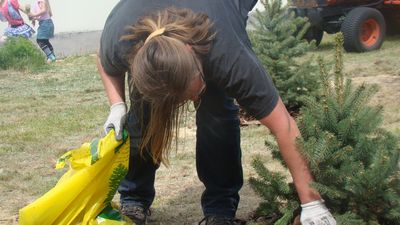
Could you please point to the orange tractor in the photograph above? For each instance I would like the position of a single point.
(364, 23)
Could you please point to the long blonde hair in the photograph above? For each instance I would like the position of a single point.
(48, 7)
(163, 68)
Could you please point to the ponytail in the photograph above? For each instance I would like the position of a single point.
(169, 45)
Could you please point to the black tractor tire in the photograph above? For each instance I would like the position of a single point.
(314, 33)
(353, 29)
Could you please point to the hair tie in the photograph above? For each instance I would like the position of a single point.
(155, 33)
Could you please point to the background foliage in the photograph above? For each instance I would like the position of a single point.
(277, 38)
(21, 54)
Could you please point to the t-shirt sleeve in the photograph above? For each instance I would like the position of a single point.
(250, 84)
(246, 6)
(111, 57)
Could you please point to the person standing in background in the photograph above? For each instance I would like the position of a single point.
(9, 11)
(41, 12)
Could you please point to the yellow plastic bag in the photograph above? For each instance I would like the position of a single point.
(81, 194)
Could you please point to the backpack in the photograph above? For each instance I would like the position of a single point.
(14, 13)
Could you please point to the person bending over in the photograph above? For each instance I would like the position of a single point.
(177, 51)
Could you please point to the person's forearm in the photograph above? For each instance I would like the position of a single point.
(296, 163)
(285, 130)
(37, 15)
(113, 85)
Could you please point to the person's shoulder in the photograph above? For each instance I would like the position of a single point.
(14, 2)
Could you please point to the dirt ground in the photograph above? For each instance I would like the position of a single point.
(388, 96)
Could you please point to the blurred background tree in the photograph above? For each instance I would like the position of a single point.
(277, 38)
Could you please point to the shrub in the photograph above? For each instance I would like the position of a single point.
(20, 54)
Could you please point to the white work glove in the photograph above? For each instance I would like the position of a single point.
(116, 119)
(316, 213)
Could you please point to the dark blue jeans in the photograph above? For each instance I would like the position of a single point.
(218, 156)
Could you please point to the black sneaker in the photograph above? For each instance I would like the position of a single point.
(214, 220)
(136, 213)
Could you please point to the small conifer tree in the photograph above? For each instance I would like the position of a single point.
(277, 39)
(355, 162)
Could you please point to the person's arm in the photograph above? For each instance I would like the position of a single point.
(113, 85)
(285, 130)
(115, 91)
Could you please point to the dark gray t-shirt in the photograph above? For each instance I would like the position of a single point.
(231, 64)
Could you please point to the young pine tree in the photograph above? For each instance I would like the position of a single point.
(277, 39)
(355, 162)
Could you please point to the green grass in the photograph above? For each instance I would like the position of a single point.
(45, 113)
(381, 67)
(382, 61)
(33, 104)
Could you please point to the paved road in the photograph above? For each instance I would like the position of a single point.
(68, 44)
(76, 43)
